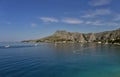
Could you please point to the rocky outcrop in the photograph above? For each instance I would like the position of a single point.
(60, 36)
(90, 37)
(78, 37)
(108, 35)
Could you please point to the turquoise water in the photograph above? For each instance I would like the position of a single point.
(60, 60)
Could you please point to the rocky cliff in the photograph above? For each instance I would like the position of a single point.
(64, 36)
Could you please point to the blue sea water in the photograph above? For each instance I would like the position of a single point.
(59, 60)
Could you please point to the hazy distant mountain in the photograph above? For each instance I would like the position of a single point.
(64, 36)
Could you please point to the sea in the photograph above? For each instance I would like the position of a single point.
(59, 60)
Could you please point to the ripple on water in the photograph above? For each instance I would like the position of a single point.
(21, 67)
(58, 61)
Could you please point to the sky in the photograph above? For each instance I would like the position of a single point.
(33, 19)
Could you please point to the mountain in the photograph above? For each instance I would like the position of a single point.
(64, 36)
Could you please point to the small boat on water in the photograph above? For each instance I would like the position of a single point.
(36, 44)
(7, 46)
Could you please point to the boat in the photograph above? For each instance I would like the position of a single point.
(7, 46)
(36, 44)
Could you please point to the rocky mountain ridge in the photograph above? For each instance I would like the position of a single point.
(64, 36)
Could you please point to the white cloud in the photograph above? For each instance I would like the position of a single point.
(97, 22)
(97, 12)
(8, 23)
(88, 16)
(99, 2)
(117, 18)
(72, 21)
(102, 12)
(49, 19)
(33, 25)
(101, 23)
(112, 24)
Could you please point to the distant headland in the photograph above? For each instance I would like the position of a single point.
(62, 36)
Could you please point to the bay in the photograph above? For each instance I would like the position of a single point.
(59, 60)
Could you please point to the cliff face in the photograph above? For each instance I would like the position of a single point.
(60, 36)
(108, 35)
(90, 37)
(70, 36)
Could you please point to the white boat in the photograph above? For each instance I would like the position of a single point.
(7, 46)
(36, 44)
